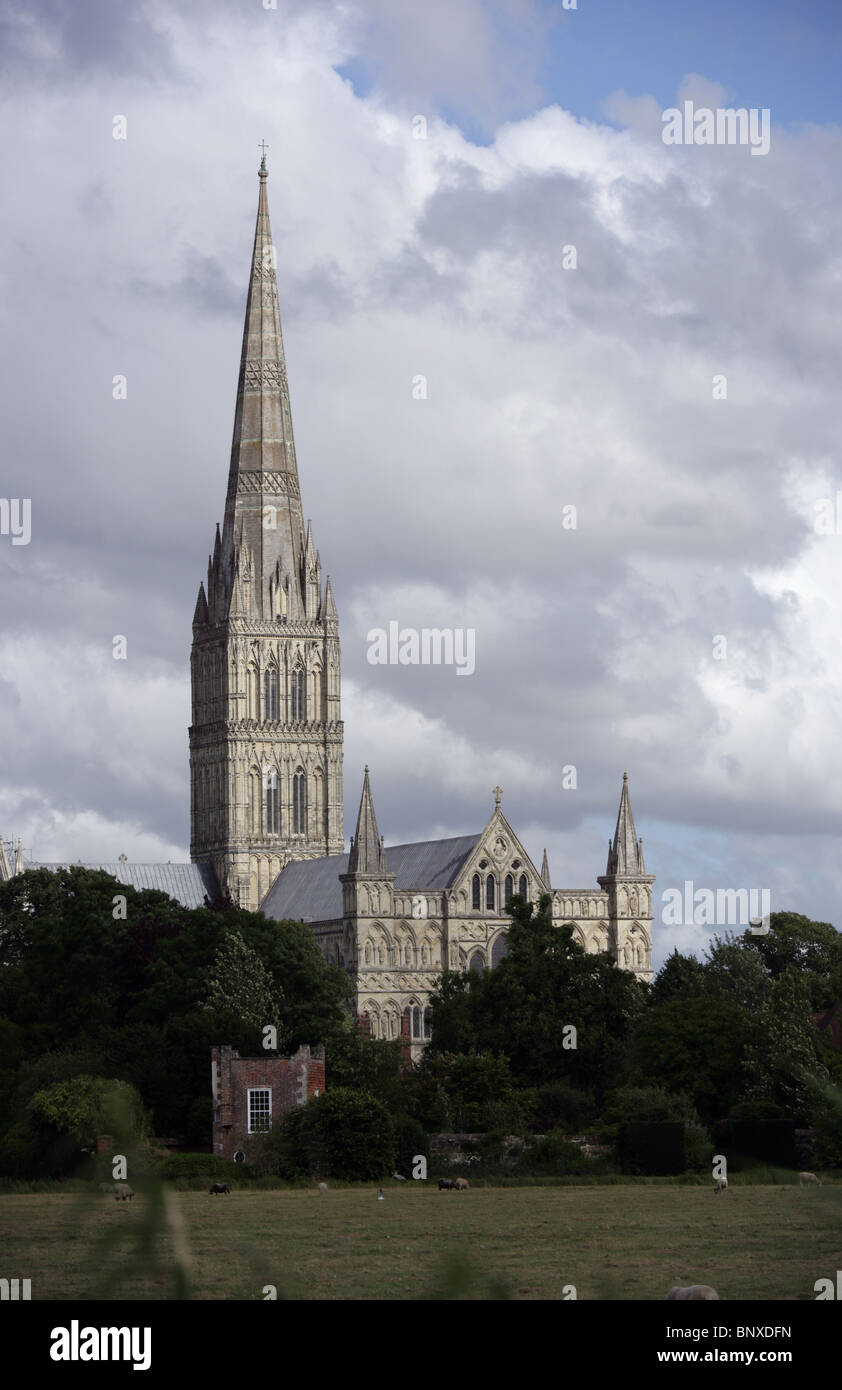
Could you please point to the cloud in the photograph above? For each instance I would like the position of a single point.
(547, 387)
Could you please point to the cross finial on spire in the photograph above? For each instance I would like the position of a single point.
(263, 171)
(498, 792)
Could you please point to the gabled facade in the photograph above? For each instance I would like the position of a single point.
(397, 918)
(266, 733)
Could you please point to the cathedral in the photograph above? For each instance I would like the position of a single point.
(266, 753)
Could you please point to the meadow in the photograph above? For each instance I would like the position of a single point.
(610, 1242)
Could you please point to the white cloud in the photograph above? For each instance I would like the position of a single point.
(546, 387)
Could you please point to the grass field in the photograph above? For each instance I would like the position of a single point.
(628, 1242)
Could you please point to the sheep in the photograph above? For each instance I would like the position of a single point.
(122, 1191)
(400, 1177)
(220, 1189)
(693, 1291)
(322, 1188)
(446, 1184)
(805, 1178)
(720, 1186)
(462, 1185)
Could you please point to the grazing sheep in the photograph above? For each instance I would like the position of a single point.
(400, 1177)
(805, 1178)
(721, 1186)
(446, 1184)
(122, 1191)
(220, 1188)
(322, 1187)
(462, 1185)
(692, 1291)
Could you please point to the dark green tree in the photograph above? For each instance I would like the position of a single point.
(554, 1011)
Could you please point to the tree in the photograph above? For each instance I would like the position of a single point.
(343, 1134)
(130, 989)
(470, 1092)
(241, 992)
(553, 1011)
(734, 970)
(783, 1057)
(86, 1106)
(698, 1047)
(813, 949)
(680, 977)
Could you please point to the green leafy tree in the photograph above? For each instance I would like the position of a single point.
(698, 1047)
(343, 1134)
(680, 977)
(783, 1058)
(812, 949)
(472, 1092)
(527, 1007)
(86, 1106)
(130, 989)
(241, 991)
(734, 969)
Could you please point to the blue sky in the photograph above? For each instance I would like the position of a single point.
(787, 56)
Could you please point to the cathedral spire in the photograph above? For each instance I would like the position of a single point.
(367, 854)
(266, 729)
(545, 873)
(263, 508)
(625, 855)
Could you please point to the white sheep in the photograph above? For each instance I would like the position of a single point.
(805, 1178)
(322, 1187)
(692, 1291)
(721, 1186)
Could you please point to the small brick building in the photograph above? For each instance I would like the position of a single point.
(251, 1093)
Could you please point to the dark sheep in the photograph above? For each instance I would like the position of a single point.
(446, 1184)
(220, 1187)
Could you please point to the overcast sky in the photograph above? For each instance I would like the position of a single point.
(547, 387)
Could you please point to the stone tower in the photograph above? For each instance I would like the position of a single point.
(367, 885)
(629, 890)
(266, 732)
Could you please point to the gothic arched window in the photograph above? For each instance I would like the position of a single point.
(252, 689)
(298, 694)
(523, 886)
(490, 893)
(499, 950)
(476, 962)
(416, 1023)
(299, 803)
(319, 802)
(270, 693)
(254, 801)
(510, 888)
(318, 693)
(427, 1023)
(475, 893)
(273, 804)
